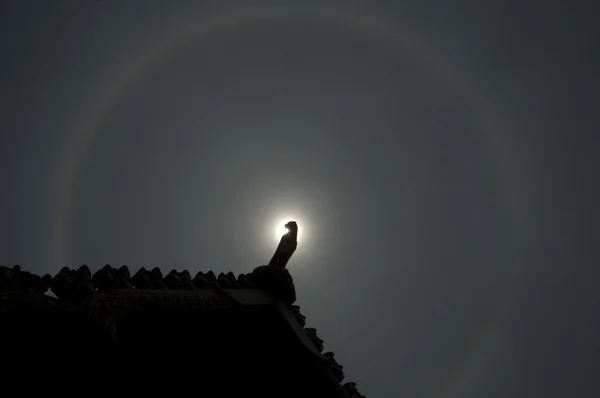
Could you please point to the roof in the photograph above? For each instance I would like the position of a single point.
(111, 292)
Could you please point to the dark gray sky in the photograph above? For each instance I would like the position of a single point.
(439, 157)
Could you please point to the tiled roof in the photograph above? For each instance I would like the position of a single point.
(74, 286)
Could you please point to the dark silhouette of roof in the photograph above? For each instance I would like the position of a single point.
(250, 316)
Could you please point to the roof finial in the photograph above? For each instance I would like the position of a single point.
(287, 246)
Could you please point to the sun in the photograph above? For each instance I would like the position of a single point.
(279, 229)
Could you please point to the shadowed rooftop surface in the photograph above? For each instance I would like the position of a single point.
(238, 335)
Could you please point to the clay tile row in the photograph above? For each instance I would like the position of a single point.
(335, 368)
(81, 281)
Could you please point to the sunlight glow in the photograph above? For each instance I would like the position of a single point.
(280, 229)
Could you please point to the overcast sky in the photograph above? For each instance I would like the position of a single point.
(439, 157)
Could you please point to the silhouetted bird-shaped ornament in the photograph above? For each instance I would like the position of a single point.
(287, 246)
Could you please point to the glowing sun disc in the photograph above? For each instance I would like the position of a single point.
(280, 229)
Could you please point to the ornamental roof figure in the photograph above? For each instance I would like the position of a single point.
(287, 246)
